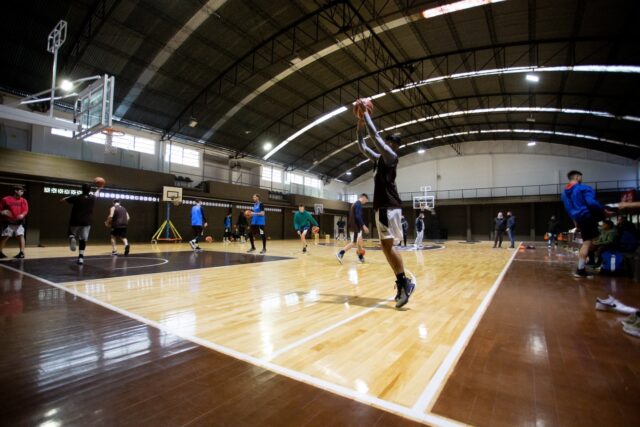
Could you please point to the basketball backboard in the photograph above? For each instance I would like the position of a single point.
(424, 201)
(94, 107)
(172, 194)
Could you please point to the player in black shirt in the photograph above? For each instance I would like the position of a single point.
(341, 225)
(80, 220)
(387, 205)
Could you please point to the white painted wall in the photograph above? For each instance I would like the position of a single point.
(502, 164)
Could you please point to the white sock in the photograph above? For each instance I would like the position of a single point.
(581, 264)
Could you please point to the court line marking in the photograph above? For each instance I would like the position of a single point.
(407, 412)
(324, 331)
(428, 397)
(126, 258)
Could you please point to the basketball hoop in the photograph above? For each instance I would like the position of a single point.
(108, 143)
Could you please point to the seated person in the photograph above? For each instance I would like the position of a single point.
(605, 241)
(627, 235)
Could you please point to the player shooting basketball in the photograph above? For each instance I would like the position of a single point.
(387, 205)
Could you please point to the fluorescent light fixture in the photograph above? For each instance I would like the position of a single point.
(267, 146)
(66, 85)
(304, 129)
(193, 122)
(531, 143)
(348, 172)
(532, 78)
(421, 151)
(454, 7)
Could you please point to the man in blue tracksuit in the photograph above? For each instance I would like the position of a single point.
(511, 225)
(198, 223)
(581, 205)
(257, 224)
(227, 227)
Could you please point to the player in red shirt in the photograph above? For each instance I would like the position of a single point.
(13, 210)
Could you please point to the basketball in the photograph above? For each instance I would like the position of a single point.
(361, 251)
(208, 239)
(99, 181)
(248, 213)
(361, 105)
(315, 229)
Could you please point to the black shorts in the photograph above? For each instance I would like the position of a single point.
(119, 232)
(588, 229)
(340, 230)
(356, 234)
(257, 229)
(197, 229)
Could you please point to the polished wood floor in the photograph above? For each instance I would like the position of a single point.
(542, 354)
(310, 318)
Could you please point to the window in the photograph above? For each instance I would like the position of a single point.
(182, 156)
(351, 198)
(126, 142)
(293, 178)
(270, 173)
(312, 182)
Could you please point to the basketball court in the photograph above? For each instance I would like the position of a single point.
(446, 114)
(302, 316)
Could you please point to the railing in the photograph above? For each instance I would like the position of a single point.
(245, 178)
(515, 191)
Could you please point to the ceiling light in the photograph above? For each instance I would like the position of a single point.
(267, 146)
(454, 7)
(193, 122)
(348, 172)
(531, 119)
(421, 151)
(531, 143)
(66, 85)
(532, 78)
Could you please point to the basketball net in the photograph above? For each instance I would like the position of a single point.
(109, 133)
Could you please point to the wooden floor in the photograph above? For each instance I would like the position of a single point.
(310, 318)
(335, 328)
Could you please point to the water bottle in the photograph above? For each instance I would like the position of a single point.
(613, 262)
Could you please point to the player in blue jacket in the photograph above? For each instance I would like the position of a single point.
(357, 226)
(581, 205)
(198, 224)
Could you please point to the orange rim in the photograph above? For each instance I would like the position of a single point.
(112, 132)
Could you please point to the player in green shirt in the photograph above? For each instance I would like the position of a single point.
(302, 221)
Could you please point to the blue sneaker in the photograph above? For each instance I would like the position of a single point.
(405, 291)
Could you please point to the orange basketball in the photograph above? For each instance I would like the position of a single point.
(361, 105)
(315, 229)
(248, 213)
(99, 181)
(361, 251)
(209, 239)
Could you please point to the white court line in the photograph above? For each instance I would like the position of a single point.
(427, 398)
(324, 331)
(431, 419)
(126, 258)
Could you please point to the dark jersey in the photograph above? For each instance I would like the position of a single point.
(385, 193)
(356, 221)
(119, 219)
(82, 209)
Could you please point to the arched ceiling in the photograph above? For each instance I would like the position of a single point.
(255, 71)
